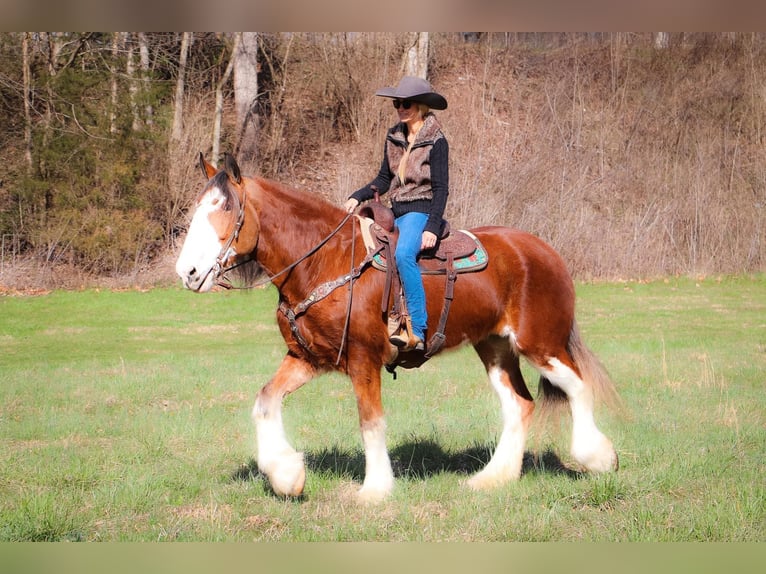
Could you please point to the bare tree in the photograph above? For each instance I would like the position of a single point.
(219, 99)
(27, 104)
(416, 57)
(133, 85)
(117, 40)
(246, 93)
(143, 55)
(177, 131)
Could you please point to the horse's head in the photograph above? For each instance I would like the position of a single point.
(216, 238)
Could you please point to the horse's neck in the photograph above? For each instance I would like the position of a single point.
(290, 229)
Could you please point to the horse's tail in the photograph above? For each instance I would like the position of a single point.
(552, 400)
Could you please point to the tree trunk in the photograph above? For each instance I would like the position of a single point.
(219, 99)
(177, 131)
(416, 57)
(53, 45)
(130, 72)
(27, 104)
(246, 94)
(113, 92)
(143, 54)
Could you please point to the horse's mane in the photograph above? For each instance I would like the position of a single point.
(313, 206)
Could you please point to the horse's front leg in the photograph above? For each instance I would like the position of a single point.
(278, 460)
(378, 475)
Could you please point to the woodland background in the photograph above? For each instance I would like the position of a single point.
(635, 155)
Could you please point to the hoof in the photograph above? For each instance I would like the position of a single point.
(375, 491)
(602, 459)
(494, 476)
(289, 476)
(371, 496)
(483, 481)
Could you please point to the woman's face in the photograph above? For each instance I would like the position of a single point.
(410, 114)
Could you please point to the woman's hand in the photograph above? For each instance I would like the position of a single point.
(428, 240)
(350, 205)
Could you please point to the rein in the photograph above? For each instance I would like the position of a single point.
(220, 272)
(315, 296)
(323, 291)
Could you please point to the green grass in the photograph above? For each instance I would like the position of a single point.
(125, 416)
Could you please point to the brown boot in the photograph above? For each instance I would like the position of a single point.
(414, 344)
(400, 339)
(399, 329)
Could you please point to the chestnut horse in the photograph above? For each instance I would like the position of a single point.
(521, 304)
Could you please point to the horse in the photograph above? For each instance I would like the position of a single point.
(520, 305)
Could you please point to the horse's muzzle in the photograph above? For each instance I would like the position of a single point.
(195, 280)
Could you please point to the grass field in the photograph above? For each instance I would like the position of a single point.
(125, 416)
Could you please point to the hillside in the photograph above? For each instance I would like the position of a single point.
(630, 160)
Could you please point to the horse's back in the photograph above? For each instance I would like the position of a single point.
(530, 281)
(526, 256)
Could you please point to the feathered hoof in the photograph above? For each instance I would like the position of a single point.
(288, 477)
(601, 459)
(374, 494)
(484, 481)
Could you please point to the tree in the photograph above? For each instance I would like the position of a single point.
(219, 98)
(178, 114)
(143, 56)
(117, 45)
(27, 87)
(416, 57)
(246, 94)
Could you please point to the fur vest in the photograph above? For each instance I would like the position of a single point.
(416, 184)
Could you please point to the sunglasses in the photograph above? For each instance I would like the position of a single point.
(406, 104)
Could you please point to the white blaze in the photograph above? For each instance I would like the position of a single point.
(202, 244)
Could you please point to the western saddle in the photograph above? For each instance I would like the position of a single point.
(454, 253)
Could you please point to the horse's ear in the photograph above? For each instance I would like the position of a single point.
(231, 167)
(207, 169)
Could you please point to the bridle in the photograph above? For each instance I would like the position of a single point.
(219, 270)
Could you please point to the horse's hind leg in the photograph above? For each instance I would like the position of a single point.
(278, 460)
(589, 446)
(502, 364)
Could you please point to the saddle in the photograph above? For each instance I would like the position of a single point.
(453, 254)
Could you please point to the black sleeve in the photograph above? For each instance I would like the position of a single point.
(382, 182)
(439, 184)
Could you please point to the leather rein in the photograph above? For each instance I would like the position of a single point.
(315, 296)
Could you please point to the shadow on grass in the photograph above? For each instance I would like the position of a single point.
(417, 459)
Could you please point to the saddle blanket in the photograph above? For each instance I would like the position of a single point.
(464, 247)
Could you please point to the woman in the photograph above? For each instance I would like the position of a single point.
(415, 173)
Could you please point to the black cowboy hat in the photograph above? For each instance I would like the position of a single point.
(417, 90)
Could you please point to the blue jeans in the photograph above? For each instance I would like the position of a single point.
(411, 226)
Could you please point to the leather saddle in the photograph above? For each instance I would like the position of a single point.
(454, 253)
(460, 250)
